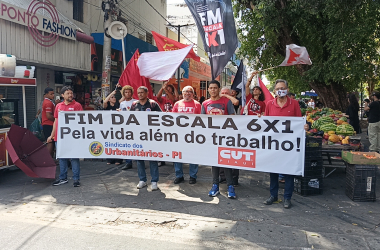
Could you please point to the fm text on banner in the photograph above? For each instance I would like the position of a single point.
(242, 142)
(216, 24)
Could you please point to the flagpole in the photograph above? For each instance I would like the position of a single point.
(179, 40)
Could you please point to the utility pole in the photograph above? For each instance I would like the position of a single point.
(179, 40)
(106, 66)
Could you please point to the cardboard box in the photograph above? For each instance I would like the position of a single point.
(359, 158)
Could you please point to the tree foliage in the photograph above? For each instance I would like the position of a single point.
(341, 36)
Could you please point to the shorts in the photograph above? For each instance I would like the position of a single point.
(47, 129)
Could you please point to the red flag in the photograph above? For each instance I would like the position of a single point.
(267, 94)
(166, 44)
(131, 76)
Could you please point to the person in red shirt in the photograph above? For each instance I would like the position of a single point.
(189, 106)
(47, 117)
(255, 102)
(282, 105)
(166, 103)
(218, 105)
(68, 104)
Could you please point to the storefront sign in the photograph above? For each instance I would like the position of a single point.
(36, 23)
(200, 68)
(266, 144)
(13, 81)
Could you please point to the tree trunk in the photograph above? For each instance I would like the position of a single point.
(332, 96)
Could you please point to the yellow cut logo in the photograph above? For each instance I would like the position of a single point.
(96, 148)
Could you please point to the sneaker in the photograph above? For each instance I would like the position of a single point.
(287, 203)
(231, 192)
(192, 180)
(154, 186)
(141, 184)
(60, 182)
(76, 184)
(127, 166)
(179, 180)
(270, 200)
(214, 190)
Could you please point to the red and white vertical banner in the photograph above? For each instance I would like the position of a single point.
(266, 144)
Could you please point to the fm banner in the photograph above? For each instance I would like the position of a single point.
(266, 144)
(216, 24)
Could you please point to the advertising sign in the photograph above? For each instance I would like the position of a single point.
(36, 22)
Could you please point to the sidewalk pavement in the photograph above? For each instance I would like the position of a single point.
(108, 201)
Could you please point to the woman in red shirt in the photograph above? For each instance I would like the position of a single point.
(255, 102)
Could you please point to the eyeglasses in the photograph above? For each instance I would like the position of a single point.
(277, 89)
(187, 91)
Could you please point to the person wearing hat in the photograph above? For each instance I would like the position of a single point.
(235, 93)
(374, 122)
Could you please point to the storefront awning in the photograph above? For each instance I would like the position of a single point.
(131, 44)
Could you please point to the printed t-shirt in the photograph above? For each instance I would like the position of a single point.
(72, 106)
(126, 105)
(291, 108)
(253, 107)
(192, 107)
(47, 107)
(150, 105)
(166, 104)
(114, 107)
(223, 106)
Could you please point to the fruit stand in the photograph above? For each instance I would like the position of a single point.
(336, 133)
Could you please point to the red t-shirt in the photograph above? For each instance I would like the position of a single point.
(192, 107)
(223, 106)
(291, 108)
(72, 106)
(47, 107)
(253, 107)
(166, 104)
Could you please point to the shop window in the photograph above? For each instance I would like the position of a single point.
(141, 37)
(78, 10)
(149, 38)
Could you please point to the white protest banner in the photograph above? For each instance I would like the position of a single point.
(267, 144)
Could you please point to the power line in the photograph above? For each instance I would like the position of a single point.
(172, 25)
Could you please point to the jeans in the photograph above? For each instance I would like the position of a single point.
(227, 173)
(374, 136)
(153, 170)
(193, 170)
(63, 165)
(289, 185)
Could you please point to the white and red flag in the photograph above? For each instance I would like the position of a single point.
(161, 65)
(296, 55)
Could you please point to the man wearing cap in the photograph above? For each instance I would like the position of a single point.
(374, 123)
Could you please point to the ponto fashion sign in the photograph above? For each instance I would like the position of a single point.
(266, 144)
(37, 22)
